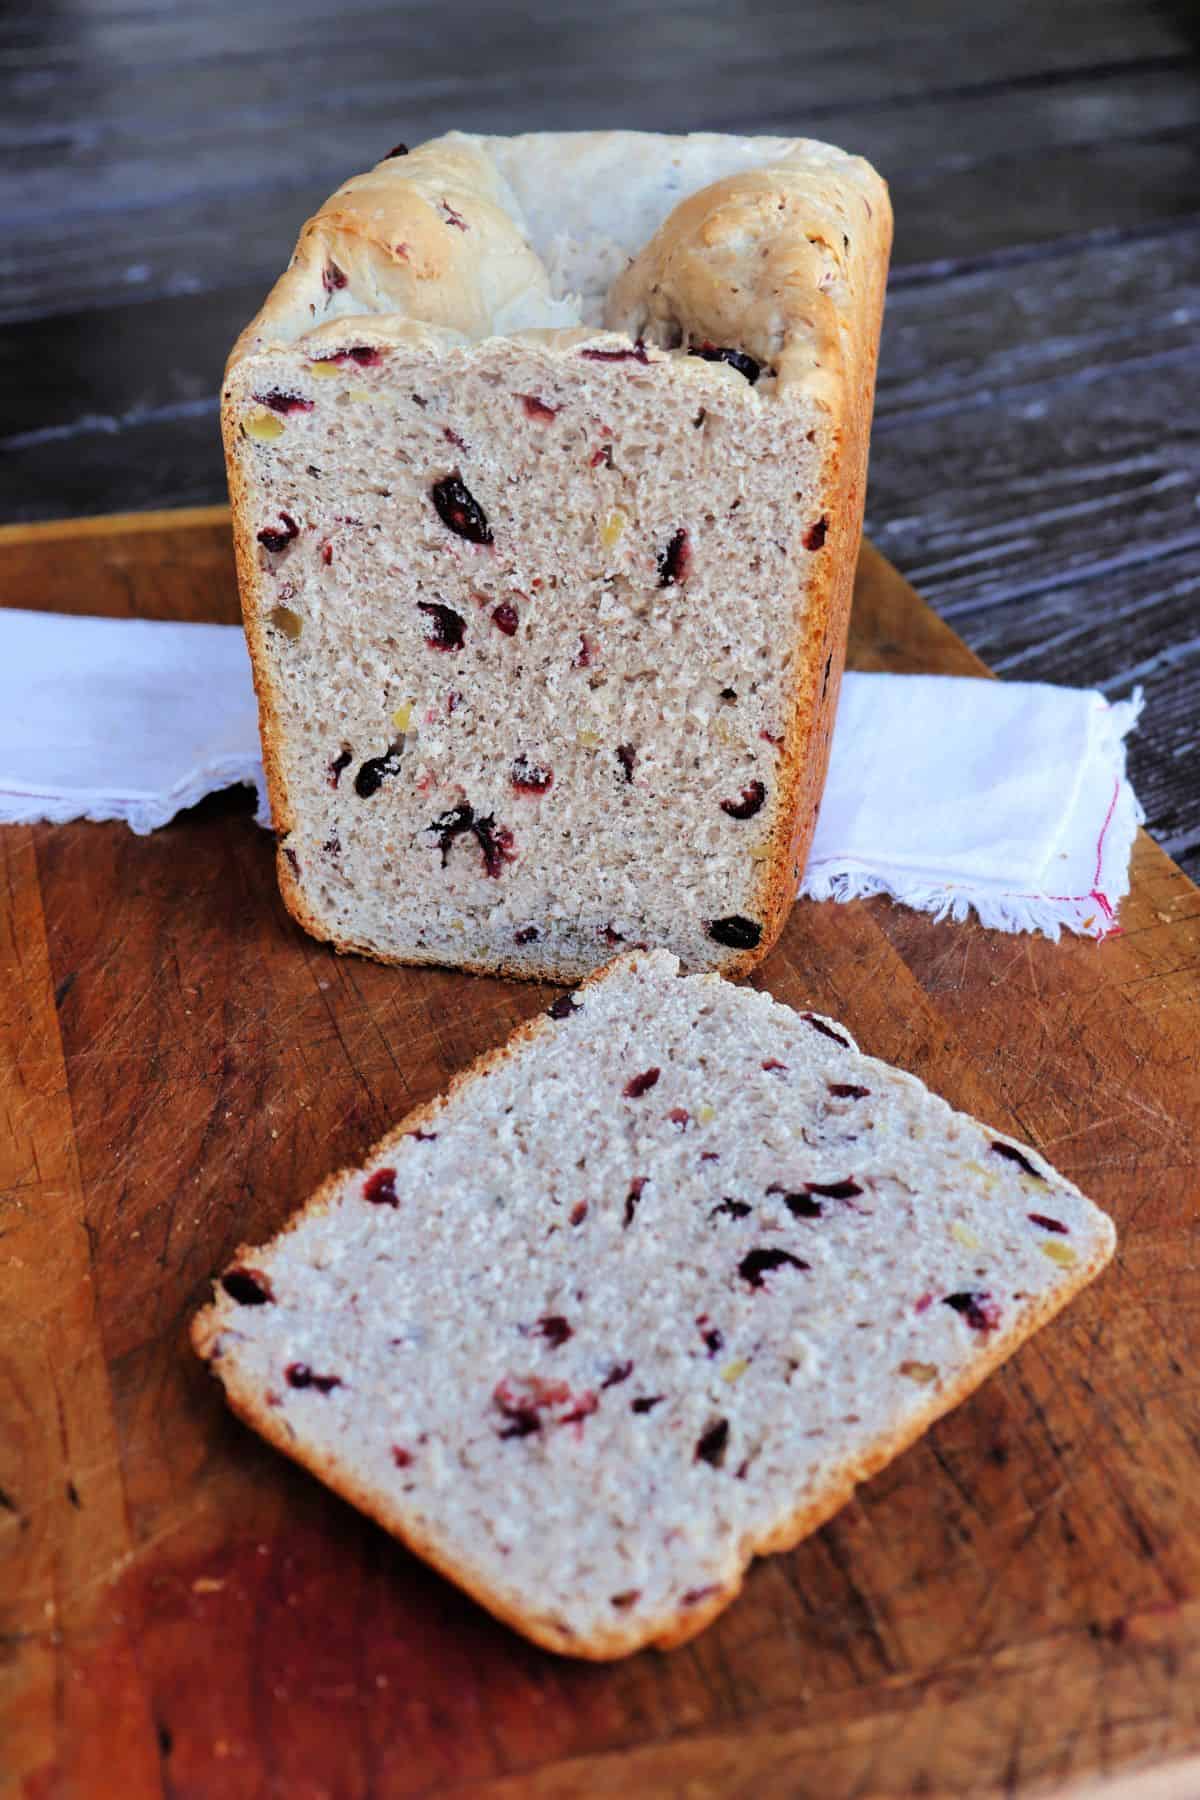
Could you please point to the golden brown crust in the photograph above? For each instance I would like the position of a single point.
(665, 1633)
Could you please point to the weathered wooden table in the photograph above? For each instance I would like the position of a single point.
(1036, 456)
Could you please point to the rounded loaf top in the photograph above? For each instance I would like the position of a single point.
(764, 245)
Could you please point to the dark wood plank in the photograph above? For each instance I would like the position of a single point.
(1007, 1607)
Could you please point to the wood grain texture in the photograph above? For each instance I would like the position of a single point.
(1012, 1607)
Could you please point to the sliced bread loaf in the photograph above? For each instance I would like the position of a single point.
(642, 1296)
(547, 458)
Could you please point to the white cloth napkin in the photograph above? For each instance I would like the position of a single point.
(949, 794)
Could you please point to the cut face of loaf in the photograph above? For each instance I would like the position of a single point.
(546, 527)
(643, 1296)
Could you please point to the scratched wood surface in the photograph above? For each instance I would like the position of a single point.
(1012, 1608)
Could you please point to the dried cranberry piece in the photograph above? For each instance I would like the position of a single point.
(453, 218)
(583, 1409)
(579, 1212)
(1019, 1157)
(603, 456)
(249, 1287)
(554, 1329)
(293, 861)
(495, 841)
(626, 753)
(422, 1137)
(737, 359)
(750, 802)
(618, 1373)
(327, 553)
(526, 935)
(299, 1375)
(714, 1340)
(452, 437)
(848, 1090)
(637, 354)
(737, 1209)
(523, 1422)
(675, 560)
(835, 1190)
(447, 628)
(758, 1263)
(679, 1115)
(537, 409)
(458, 508)
(284, 403)
(629, 1598)
(341, 761)
(694, 1596)
(398, 150)
(713, 1443)
(583, 656)
(801, 1205)
(401, 1457)
(529, 777)
(371, 775)
(564, 1006)
(522, 1410)
(825, 1030)
(364, 355)
(505, 618)
(380, 1188)
(735, 932)
(814, 537)
(774, 1066)
(646, 1403)
(924, 1303)
(632, 1198)
(1045, 1224)
(980, 1311)
(637, 1085)
(333, 278)
(275, 541)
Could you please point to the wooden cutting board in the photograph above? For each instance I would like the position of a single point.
(1014, 1606)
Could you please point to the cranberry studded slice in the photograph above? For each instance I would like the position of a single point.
(637, 1085)
(281, 402)
(372, 774)
(529, 777)
(636, 354)
(750, 802)
(380, 1188)
(713, 1443)
(458, 509)
(505, 618)
(249, 1287)
(735, 932)
(745, 365)
(278, 540)
(446, 629)
(1017, 1156)
(675, 561)
(759, 1263)
(980, 1311)
(626, 756)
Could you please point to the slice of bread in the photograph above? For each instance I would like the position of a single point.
(547, 458)
(643, 1296)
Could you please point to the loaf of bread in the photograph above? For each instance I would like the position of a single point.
(547, 458)
(643, 1296)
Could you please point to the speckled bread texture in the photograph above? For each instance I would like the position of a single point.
(644, 1295)
(547, 459)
